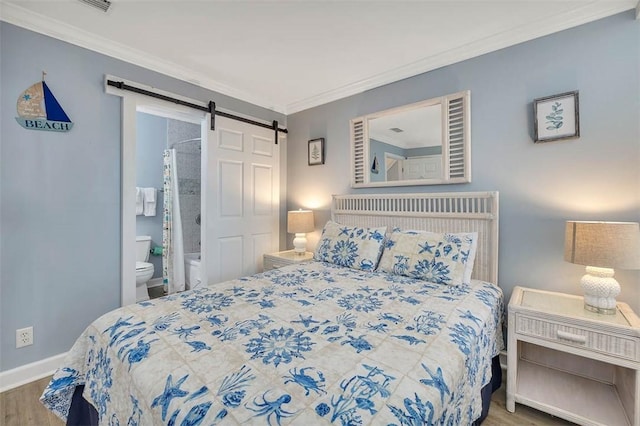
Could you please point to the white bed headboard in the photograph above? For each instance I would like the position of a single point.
(438, 212)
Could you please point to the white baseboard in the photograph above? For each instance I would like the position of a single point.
(30, 372)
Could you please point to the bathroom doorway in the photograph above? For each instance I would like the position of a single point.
(237, 226)
(131, 105)
(168, 162)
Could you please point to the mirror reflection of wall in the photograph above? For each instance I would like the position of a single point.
(423, 143)
(416, 134)
(393, 167)
(428, 159)
(423, 167)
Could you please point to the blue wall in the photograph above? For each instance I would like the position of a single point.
(595, 177)
(377, 150)
(427, 150)
(60, 192)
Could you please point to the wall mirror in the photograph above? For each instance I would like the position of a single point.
(425, 143)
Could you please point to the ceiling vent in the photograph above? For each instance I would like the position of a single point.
(103, 5)
(396, 129)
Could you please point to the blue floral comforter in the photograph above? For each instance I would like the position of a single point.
(305, 344)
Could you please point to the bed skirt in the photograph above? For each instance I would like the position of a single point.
(81, 413)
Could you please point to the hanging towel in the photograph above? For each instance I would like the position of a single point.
(149, 201)
(139, 201)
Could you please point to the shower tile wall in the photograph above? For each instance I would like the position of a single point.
(185, 139)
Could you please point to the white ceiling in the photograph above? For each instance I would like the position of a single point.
(413, 126)
(292, 55)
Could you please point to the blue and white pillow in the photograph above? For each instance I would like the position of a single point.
(440, 258)
(350, 246)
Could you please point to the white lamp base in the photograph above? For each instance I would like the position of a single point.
(600, 290)
(300, 243)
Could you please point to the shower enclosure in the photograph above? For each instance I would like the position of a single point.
(188, 158)
(182, 205)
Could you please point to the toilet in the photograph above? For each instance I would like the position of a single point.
(144, 269)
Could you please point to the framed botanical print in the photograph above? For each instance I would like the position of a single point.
(316, 152)
(556, 117)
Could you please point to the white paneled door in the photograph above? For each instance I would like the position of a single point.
(240, 199)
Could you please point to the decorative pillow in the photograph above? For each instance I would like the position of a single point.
(350, 246)
(468, 270)
(430, 256)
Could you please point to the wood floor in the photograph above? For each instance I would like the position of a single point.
(21, 407)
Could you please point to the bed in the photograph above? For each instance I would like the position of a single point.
(331, 341)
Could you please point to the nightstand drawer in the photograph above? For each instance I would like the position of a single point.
(620, 346)
(284, 258)
(274, 264)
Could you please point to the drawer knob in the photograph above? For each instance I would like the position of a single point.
(572, 337)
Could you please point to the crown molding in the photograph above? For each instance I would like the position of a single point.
(33, 21)
(25, 18)
(591, 12)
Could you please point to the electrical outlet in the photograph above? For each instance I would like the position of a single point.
(24, 337)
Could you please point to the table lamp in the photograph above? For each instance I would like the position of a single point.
(601, 247)
(300, 222)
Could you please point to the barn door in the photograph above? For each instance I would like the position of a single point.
(241, 199)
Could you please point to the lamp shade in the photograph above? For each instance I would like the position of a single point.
(603, 244)
(300, 221)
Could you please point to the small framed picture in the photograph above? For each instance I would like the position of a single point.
(316, 151)
(556, 117)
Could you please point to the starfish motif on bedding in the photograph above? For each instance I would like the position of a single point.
(426, 248)
(170, 391)
(306, 321)
(437, 381)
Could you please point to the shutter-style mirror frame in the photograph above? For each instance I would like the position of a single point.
(456, 143)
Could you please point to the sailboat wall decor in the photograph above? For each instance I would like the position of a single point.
(38, 109)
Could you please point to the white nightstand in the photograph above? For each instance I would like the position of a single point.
(575, 364)
(284, 258)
